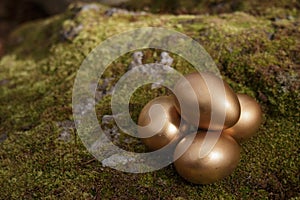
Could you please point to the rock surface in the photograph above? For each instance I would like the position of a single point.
(256, 54)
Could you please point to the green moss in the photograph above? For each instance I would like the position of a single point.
(256, 55)
(275, 8)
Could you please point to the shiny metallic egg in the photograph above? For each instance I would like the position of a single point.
(205, 169)
(249, 121)
(219, 107)
(160, 121)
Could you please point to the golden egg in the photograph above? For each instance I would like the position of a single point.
(159, 121)
(249, 121)
(218, 105)
(205, 169)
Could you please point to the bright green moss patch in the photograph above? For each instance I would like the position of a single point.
(42, 156)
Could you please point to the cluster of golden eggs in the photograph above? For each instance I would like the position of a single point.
(242, 119)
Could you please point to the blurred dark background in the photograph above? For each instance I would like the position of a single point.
(15, 12)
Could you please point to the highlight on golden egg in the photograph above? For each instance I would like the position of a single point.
(160, 121)
(205, 169)
(249, 121)
(218, 105)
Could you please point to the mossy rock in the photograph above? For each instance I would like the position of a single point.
(215, 6)
(42, 157)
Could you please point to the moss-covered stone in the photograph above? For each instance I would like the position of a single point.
(278, 7)
(257, 55)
